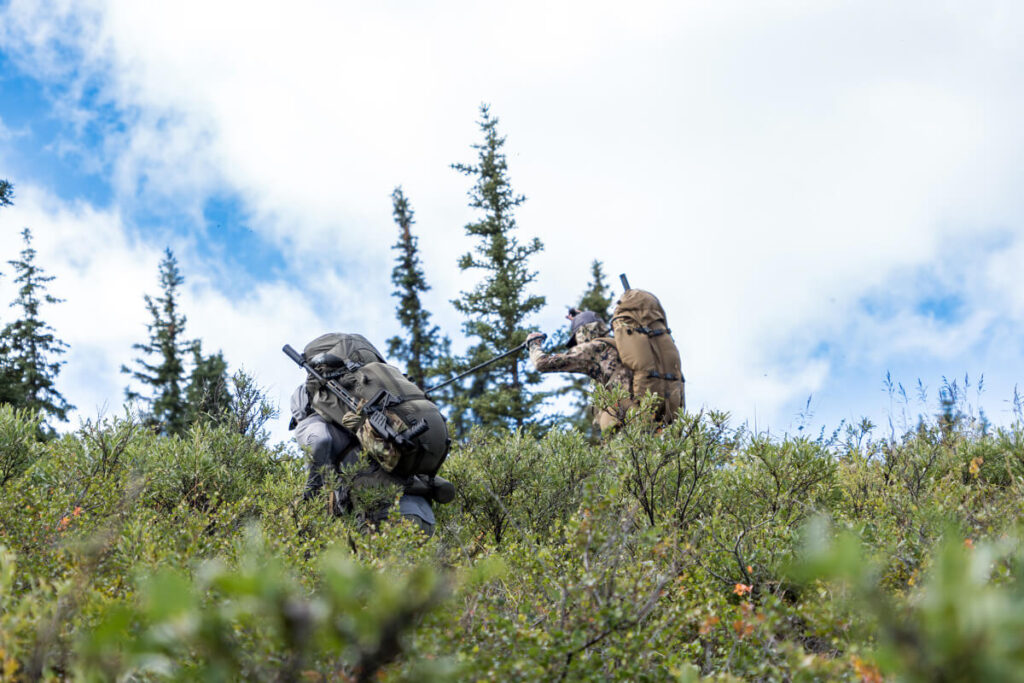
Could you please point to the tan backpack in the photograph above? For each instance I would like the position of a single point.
(645, 346)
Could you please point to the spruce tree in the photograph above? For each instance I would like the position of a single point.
(420, 347)
(598, 297)
(208, 397)
(6, 193)
(497, 308)
(28, 345)
(167, 346)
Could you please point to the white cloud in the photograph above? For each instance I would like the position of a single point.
(102, 275)
(99, 274)
(761, 167)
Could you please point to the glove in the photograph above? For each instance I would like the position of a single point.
(538, 337)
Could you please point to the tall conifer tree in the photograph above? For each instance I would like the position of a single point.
(28, 345)
(497, 308)
(420, 347)
(168, 346)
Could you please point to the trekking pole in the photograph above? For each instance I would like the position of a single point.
(624, 281)
(477, 367)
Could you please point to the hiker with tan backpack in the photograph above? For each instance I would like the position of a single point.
(641, 358)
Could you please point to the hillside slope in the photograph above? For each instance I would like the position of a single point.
(700, 551)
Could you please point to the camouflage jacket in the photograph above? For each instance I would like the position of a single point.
(596, 359)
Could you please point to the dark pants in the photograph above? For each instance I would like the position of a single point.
(329, 447)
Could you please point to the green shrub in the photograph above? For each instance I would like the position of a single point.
(518, 483)
(256, 621)
(19, 431)
(656, 554)
(669, 472)
(205, 467)
(962, 621)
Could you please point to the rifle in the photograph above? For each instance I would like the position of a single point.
(375, 410)
(477, 367)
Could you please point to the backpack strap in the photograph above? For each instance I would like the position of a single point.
(654, 374)
(646, 330)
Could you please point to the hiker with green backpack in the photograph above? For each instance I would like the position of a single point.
(641, 358)
(359, 415)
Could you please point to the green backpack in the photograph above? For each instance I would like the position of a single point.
(365, 376)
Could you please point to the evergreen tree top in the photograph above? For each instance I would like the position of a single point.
(598, 297)
(419, 351)
(496, 310)
(28, 344)
(6, 193)
(498, 304)
(492, 194)
(408, 273)
(168, 345)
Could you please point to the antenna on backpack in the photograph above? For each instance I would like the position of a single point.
(624, 281)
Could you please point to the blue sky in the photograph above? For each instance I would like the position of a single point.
(33, 136)
(820, 192)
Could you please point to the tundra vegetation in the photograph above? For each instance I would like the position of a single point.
(699, 551)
